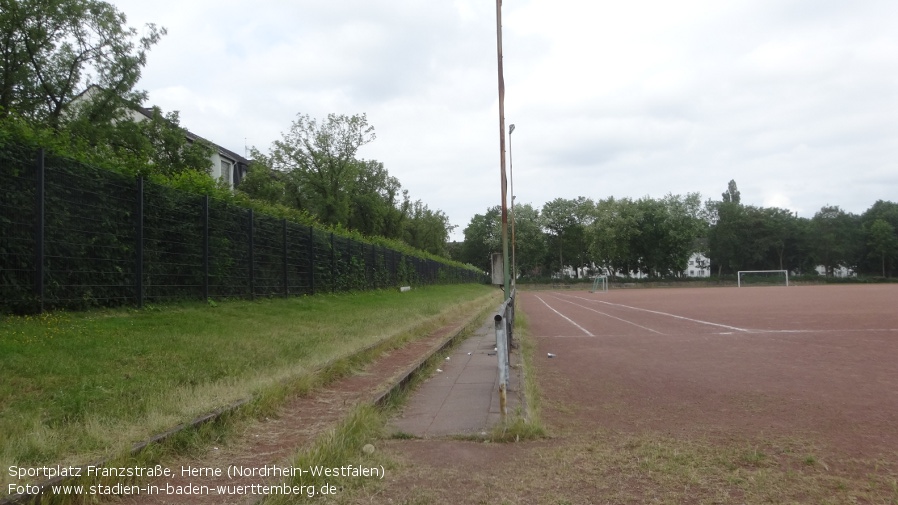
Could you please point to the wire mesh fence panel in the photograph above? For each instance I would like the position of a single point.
(74, 236)
(89, 241)
(299, 272)
(17, 230)
(173, 231)
(228, 250)
(268, 256)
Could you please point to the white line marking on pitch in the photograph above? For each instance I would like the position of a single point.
(672, 315)
(584, 330)
(565, 336)
(609, 315)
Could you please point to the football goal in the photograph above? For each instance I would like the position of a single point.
(762, 278)
(600, 284)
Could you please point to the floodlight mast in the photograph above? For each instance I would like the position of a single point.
(502, 148)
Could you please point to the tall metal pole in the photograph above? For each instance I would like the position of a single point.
(514, 265)
(502, 148)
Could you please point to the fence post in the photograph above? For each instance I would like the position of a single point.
(205, 247)
(39, 231)
(312, 260)
(286, 284)
(138, 265)
(252, 270)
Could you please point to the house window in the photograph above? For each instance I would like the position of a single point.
(226, 171)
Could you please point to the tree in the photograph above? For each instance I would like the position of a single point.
(565, 220)
(683, 225)
(374, 201)
(157, 145)
(883, 242)
(886, 211)
(482, 238)
(613, 235)
(319, 159)
(262, 183)
(725, 237)
(835, 238)
(732, 194)
(54, 50)
(427, 229)
(530, 241)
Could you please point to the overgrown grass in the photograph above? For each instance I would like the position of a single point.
(525, 422)
(338, 449)
(77, 387)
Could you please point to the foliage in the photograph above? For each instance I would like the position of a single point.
(835, 238)
(482, 238)
(426, 229)
(54, 50)
(314, 168)
(320, 165)
(530, 245)
(883, 242)
(655, 237)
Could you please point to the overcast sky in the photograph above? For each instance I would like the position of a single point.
(796, 100)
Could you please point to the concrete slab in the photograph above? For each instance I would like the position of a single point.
(462, 399)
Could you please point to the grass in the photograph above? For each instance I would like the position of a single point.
(608, 467)
(80, 386)
(338, 448)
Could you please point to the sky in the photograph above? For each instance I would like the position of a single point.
(795, 100)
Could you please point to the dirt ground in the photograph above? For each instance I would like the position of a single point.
(715, 395)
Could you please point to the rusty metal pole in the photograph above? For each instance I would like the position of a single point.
(501, 342)
(502, 148)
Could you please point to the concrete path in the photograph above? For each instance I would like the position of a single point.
(463, 397)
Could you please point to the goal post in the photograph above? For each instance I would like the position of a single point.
(600, 284)
(765, 277)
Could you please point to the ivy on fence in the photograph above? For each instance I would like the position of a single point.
(74, 236)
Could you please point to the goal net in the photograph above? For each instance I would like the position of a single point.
(762, 278)
(600, 284)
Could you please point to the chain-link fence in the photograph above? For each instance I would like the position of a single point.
(74, 236)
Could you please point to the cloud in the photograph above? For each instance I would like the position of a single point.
(794, 99)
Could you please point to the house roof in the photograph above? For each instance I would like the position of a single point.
(148, 112)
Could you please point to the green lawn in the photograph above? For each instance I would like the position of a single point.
(77, 386)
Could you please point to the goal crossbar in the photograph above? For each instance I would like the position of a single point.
(740, 272)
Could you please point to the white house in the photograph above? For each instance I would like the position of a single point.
(225, 164)
(699, 265)
(839, 271)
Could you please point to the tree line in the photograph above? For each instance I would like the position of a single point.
(656, 237)
(68, 72)
(314, 168)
